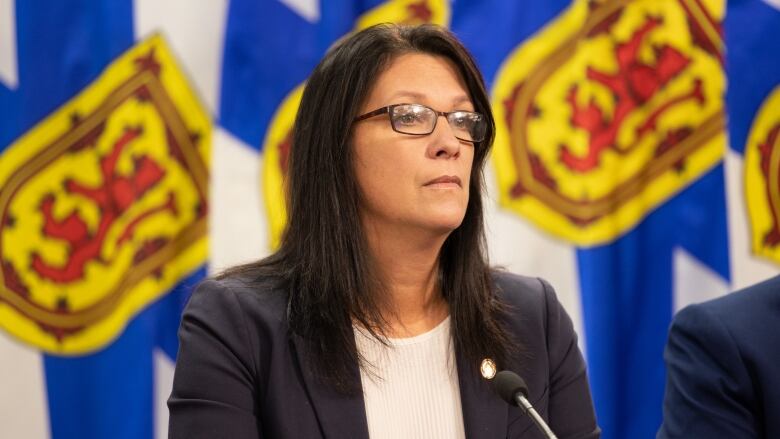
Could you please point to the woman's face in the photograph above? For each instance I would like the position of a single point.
(409, 182)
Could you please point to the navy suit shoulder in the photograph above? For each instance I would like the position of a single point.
(722, 367)
(241, 373)
(234, 371)
(549, 359)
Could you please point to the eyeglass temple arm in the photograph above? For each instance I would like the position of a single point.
(376, 112)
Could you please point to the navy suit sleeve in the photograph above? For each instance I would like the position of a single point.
(570, 406)
(213, 388)
(708, 389)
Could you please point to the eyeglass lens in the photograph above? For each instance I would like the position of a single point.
(419, 119)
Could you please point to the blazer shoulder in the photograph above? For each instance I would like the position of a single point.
(520, 291)
(528, 296)
(228, 334)
(756, 298)
(260, 299)
(248, 283)
(721, 359)
(532, 306)
(750, 310)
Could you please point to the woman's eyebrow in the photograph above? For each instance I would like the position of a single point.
(421, 97)
(409, 94)
(462, 99)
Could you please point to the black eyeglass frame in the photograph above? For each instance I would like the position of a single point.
(389, 110)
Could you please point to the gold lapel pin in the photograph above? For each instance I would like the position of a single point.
(488, 368)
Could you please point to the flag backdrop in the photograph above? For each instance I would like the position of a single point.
(144, 142)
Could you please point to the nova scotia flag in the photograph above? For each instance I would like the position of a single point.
(143, 144)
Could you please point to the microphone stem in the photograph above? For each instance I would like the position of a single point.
(530, 411)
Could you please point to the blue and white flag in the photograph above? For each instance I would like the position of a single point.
(144, 143)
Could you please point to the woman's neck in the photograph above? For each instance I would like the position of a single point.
(408, 267)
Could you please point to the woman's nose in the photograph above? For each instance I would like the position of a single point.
(444, 144)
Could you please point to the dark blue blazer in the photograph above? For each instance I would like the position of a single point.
(723, 367)
(241, 373)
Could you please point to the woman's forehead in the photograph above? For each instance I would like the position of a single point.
(419, 78)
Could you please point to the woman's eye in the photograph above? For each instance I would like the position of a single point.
(409, 118)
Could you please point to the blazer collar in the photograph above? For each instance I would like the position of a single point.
(484, 413)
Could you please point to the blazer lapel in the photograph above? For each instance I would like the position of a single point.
(339, 416)
(484, 413)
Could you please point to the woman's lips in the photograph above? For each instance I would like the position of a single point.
(445, 181)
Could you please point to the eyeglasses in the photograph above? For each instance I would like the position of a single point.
(419, 120)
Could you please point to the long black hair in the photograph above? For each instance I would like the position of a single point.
(323, 260)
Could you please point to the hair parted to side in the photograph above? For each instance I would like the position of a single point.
(324, 261)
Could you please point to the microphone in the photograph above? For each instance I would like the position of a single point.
(512, 389)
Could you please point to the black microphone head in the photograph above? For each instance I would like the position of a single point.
(507, 383)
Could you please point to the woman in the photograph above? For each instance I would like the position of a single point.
(379, 316)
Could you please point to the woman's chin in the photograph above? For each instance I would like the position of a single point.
(445, 223)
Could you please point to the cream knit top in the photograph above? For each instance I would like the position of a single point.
(412, 389)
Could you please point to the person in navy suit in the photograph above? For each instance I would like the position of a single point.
(379, 315)
(723, 367)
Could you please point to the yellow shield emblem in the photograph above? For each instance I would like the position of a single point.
(608, 112)
(762, 178)
(104, 205)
